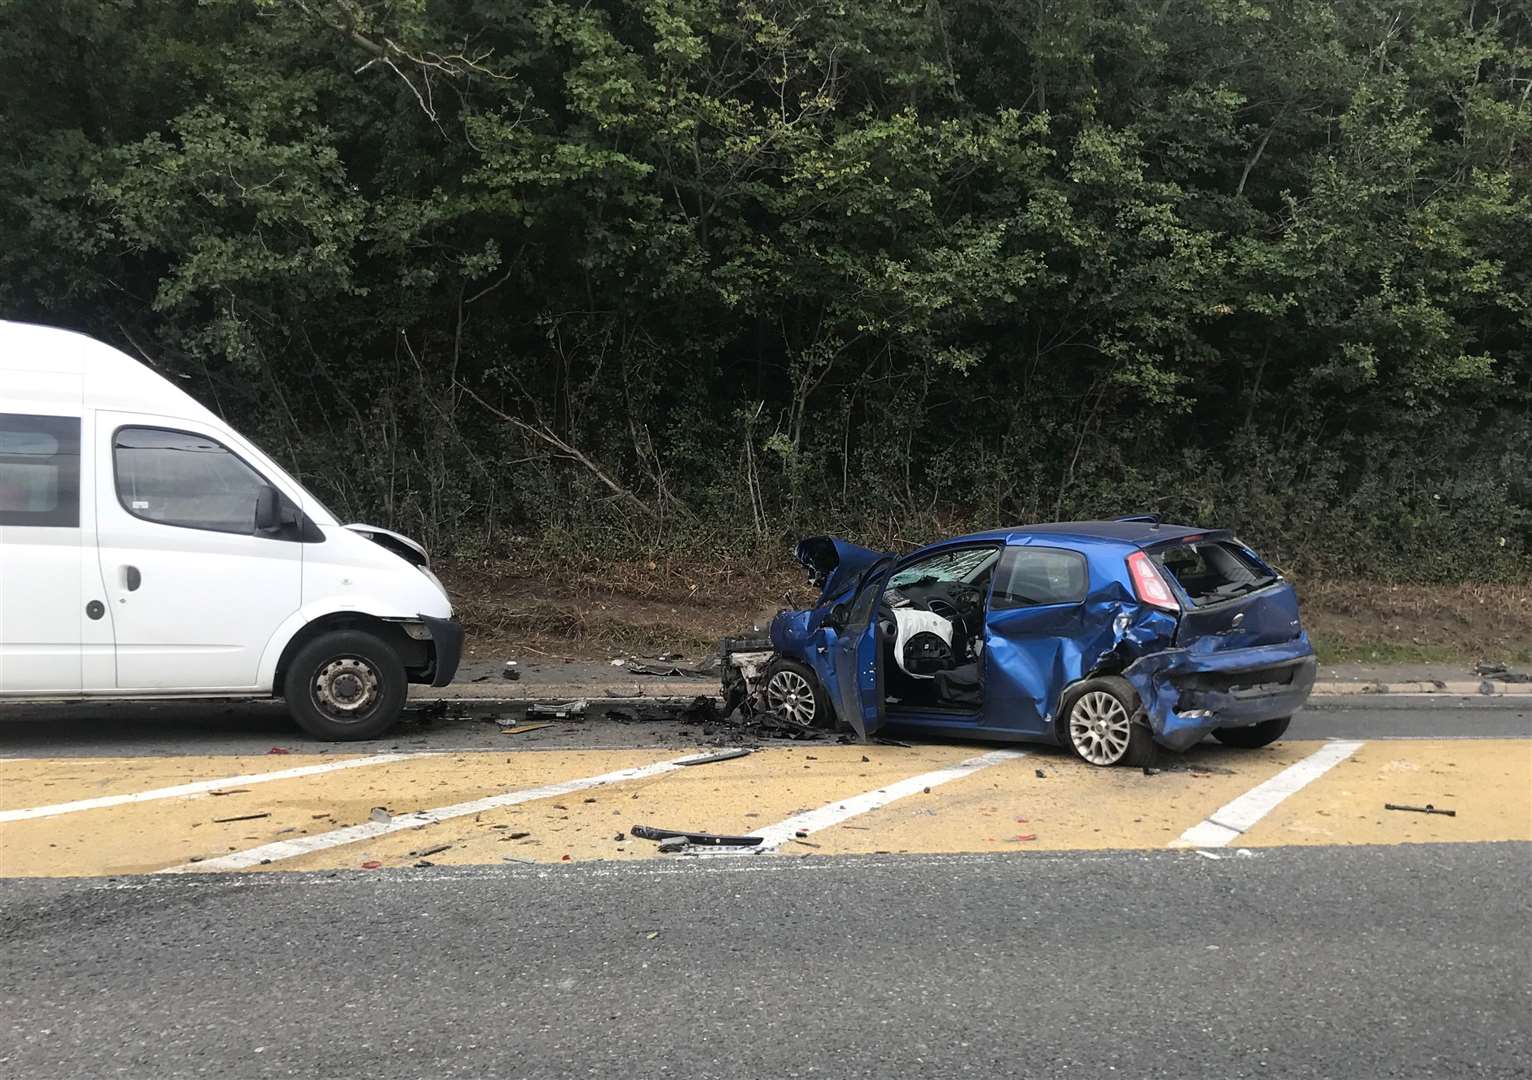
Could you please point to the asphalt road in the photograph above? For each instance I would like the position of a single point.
(1405, 961)
(94, 729)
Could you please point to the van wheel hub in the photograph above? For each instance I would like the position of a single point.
(346, 688)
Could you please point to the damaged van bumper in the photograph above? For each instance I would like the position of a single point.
(1186, 694)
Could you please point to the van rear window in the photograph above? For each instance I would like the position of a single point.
(1213, 570)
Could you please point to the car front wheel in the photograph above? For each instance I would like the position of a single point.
(794, 696)
(1099, 725)
(344, 685)
(1255, 736)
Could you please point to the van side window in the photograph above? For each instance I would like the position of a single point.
(178, 478)
(40, 471)
(1030, 576)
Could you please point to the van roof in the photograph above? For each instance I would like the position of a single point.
(108, 378)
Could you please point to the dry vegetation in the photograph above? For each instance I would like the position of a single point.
(598, 608)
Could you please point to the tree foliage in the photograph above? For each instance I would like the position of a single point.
(669, 271)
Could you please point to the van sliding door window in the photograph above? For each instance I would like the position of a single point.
(40, 471)
(178, 478)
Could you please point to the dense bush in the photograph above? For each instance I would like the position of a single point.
(691, 272)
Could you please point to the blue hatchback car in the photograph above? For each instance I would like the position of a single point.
(1104, 636)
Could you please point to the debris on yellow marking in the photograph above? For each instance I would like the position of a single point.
(28, 782)
(1073, 806)
(144, 837)
(737, 796)
(1487, 781)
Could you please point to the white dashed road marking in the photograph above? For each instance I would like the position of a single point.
(1232, 819)
(200, 787)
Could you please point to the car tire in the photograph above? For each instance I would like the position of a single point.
(1255, 736)
(345, 685)
(1100, 724)
(793, 695)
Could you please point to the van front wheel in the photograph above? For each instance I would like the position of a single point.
(345, 685)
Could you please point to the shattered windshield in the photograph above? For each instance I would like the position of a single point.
(965, 565)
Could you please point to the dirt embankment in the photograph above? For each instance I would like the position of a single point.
(589, 610)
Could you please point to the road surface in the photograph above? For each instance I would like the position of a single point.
(949, 909)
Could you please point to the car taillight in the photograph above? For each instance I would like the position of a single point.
(1148, 583)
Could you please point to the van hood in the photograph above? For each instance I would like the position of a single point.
(834, 564)
(408, 550)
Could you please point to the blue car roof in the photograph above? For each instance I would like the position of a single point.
(1140, 533)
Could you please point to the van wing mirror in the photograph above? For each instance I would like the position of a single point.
(268, 509)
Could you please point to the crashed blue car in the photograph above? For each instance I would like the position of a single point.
(1108, 637)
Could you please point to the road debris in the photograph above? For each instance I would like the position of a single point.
(231, 791)
(893, 742)
(1040, 774)
(805, 843)
(568, 710)
(372, 864)
(650, 832)
(242, 817)
(1025, 836)
(437, 850)
(380, 814)
(522, 729)
(722, 755)
(669, 670)
(1426, 809)
(279, 750)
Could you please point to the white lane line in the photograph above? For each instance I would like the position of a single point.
(1232, 819)
(200, 787)
(351, 834)
(811, 821)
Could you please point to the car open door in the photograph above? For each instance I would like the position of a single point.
(858, 655)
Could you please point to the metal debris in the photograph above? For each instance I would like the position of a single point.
(1426, 809)
(722, 755)
(568, 710)
(650, 832)
(242, 817)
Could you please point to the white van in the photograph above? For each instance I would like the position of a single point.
(148, 550)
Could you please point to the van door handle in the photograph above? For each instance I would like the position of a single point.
(132, 578)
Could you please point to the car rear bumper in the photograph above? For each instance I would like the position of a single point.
(447, 647)
(1186, 695)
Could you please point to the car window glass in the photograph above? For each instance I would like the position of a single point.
(178, 478)
(39, 470)
(1030, 576)
(967, 565)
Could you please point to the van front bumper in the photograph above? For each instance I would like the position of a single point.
(447, 648)
(1187, 695)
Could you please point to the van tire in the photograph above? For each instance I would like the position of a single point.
(1255, 736)
(1098, 695)
(345, 685)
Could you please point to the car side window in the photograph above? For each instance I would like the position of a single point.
(179, 478)
(39, 471)
(1031, 576)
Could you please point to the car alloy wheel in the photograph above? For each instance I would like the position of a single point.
(789, 695)
(1100, 728)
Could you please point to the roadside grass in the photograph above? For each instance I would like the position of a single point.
(585, 607)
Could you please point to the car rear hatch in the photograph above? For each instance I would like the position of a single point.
(1230, 599)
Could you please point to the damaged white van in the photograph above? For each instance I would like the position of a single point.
(148, 550)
